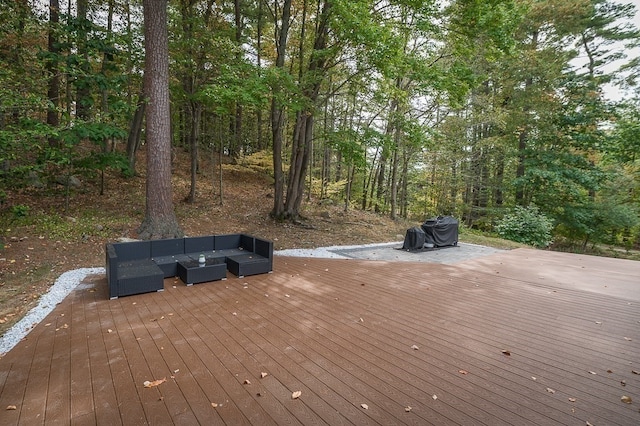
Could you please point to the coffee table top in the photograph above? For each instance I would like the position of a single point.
(194, 263)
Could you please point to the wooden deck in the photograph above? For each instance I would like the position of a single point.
(365, 343)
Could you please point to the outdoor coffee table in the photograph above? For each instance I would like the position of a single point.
(192, 272)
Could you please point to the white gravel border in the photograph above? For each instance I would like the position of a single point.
(70, 280)
(56, 294)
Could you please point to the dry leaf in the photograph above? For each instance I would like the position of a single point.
(407, 408)
(176, 371)
(214, 405)
(263, 375)
(463, 372)
(11, 407)
(506, 352)
(552, 391)
(296, 394)
(572, 400)
(246, 382)
(148, 384)
(626, 399)
(109, 330)
(434, 397)
(365, 406)
(415, 347)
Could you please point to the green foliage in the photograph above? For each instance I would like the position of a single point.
(526, 225)
(19, 211)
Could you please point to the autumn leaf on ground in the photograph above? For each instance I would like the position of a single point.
(296, 394)
(148, 384)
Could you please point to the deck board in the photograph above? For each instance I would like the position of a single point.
(342, 332)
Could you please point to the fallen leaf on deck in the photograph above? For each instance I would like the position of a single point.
(11, 407)
(296, 394)
(626, 399)
(593, 372)
(628, 339)
(246, 382)
(109, 330)
(572, 400)
(214, 405)
(434, 397)
(148, 384)
(463, 372)
(263, 375)
(506, 352)
(407, 408)
(415, 347)
(552, 391)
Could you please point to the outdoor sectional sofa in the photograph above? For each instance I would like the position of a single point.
(141, 266)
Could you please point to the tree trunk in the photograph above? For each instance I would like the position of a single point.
(53, 92)
(160, 220)
(135, 132)
(83, 92)
(303, 133)
(277, 113)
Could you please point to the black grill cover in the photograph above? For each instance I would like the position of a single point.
(441, 231)
(413, 239)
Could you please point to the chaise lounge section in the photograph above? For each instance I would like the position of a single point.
(141, 266)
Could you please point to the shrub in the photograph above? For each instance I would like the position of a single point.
(526, 225)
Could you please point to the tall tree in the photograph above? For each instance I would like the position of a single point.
(160, 220)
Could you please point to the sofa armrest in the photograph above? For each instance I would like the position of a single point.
(264, 248)
(112, 270)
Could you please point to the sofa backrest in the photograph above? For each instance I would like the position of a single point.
(133, 250)
(198, 244)
(167, 247)
(226, 242)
